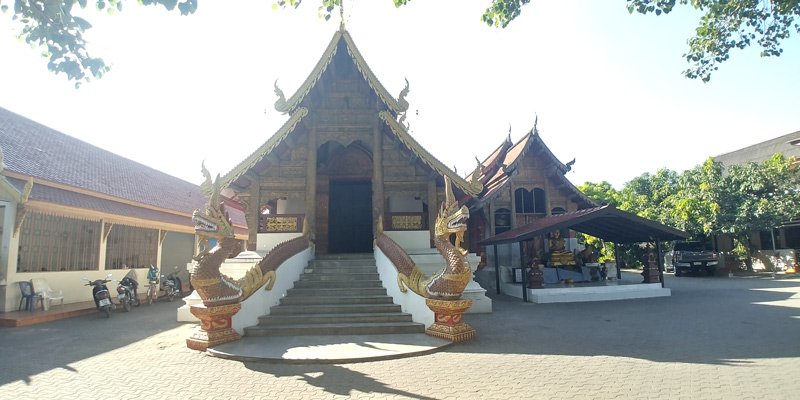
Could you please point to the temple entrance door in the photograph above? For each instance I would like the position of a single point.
(350, 217)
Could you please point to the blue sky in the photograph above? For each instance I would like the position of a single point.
(606, 85)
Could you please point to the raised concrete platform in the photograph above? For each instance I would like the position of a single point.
(331, 349)
(614, 290)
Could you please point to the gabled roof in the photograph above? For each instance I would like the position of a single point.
(472, 188)
(264, 149)
(32, 149)
(605, 222)
(787, 145)
(498, 168)
(340, 39)
(76, 175)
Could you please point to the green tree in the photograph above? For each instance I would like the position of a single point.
(695, 205)
(758, 197)
(601, 192)
(51, 26)
(651, 196)
(724, 26)
(727, 25)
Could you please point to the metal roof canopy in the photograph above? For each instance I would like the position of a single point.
(605, 222)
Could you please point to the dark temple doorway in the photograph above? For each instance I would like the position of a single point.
(350, 217)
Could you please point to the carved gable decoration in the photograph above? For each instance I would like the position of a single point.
(351, 162)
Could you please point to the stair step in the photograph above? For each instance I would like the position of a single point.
(342, 263)
(333, 308)
(338, 284)
(326, 291)
(296, 300)
(266, 320)
(342, 270)
(365, 328)
(340, 277)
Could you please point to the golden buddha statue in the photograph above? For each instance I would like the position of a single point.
(558, 253)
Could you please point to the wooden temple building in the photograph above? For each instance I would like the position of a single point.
(343, 165)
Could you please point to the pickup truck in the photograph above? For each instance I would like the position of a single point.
(693, 257)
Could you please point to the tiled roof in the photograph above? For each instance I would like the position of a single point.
(605, 222)
(33, 149)
(53, 195)
(499, 166)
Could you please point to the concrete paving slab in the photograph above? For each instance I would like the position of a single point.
(329, 349)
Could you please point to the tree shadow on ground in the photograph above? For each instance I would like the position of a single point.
(334, 379)
(30, 350)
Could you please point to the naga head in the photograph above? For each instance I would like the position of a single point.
(213, 222)
(452, 219)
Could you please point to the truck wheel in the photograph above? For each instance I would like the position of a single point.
(678, 272)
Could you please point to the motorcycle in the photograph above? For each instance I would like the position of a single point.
(102, 298)
(172, 285)
(126, 292)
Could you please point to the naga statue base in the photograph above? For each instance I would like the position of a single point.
(215, 326)
(447, 323)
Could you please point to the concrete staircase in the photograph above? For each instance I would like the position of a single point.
(337, 295)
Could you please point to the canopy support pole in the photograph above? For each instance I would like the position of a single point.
(619, 262)
(524, 275)
(496, 269)
(660, 262)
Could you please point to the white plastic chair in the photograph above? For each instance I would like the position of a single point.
(45, 293)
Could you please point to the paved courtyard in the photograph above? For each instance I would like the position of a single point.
(715, 338)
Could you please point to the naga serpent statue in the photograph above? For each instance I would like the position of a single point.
(215, 288)
(449, 283)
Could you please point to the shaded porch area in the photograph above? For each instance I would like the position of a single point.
(605, 222)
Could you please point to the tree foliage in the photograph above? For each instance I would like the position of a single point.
(724, 26)
(727, 25)
(710, 200)
(52, 26)
(758, 197)
(602, 192)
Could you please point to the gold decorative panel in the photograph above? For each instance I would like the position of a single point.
(407, 222)
(282, 224)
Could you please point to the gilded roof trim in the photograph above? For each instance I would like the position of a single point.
(370, 77)
(287, 106)
(472, 188)
(265, 148)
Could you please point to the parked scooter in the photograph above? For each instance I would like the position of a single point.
(152, 279)
(126, 292)
(102, 298)
(172, 285)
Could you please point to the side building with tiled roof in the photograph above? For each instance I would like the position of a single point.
(523, 181)
(71, 210)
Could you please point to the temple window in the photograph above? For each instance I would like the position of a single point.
(52, 243)
(132, 247)
(557, 211)
(529, 202)
(502, 220)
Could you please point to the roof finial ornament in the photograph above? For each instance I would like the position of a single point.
(341, 15)
(280, 104)
(535, 123)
